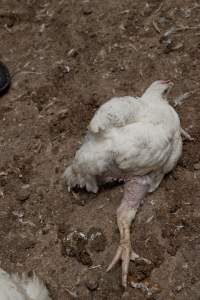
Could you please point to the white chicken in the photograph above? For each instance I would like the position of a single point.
(14, 287)
(137, 140)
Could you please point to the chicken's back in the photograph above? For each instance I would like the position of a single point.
(117, 112)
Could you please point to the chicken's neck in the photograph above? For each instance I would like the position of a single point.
(153, 97)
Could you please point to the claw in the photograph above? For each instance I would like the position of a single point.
(115, 259)
(125, 253)
(134, 256)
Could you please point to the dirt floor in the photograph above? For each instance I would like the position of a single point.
(66, 59)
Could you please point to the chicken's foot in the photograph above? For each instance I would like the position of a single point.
(135, 190)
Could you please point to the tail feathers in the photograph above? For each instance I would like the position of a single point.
(33, 287)
(72, 180)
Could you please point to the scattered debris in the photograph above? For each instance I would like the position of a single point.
(76, 242)
(95, 267)
(97, 240)
(72, 52)
(178, 46)
(20, 215)
(73, 241)
(155, 25)
(179, 288)
(92, 281)
(142, 286)
(175, 29)
(71, 293)
(84, 257)
(3, 173)
(168, 32)
(146, 286)
(62, 114)
(152, 18)
(186, 135)
(180, 99)
(23, 193)
(140, 269)
(30, 223)
(87, 9)
(197, 166)
(75, 195)
(74, 245)
(183, 28)
(149, 219)
(169, 43)
(76, 198)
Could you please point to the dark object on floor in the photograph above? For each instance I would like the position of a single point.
(5, 78)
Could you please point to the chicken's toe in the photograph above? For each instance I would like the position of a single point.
(124, 253)
(135, 256)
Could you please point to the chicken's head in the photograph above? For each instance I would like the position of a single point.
(159, 88)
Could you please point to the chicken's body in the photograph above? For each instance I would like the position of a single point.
(14, 287)
(148, 141)
(140, 143)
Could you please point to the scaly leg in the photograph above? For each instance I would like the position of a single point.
(134, 193)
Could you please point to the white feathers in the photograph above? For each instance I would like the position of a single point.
(76, 179)
(115, 113)
(134, 136)
(14, 287)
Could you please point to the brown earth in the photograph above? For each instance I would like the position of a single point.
(67, 58)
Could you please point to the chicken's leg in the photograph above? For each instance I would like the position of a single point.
(135, 190)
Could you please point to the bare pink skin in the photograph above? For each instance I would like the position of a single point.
(135, 190)
(166, 81)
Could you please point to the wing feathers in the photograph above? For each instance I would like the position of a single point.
(117, 112)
